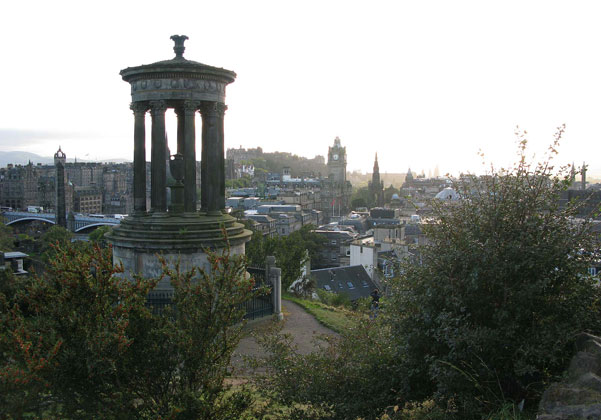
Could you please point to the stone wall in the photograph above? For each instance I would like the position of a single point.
(578, 396)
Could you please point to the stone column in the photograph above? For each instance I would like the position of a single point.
(179, 111)
(158, 165)
(209, 167)
(221, 108)
(189, 152)
(139, 110)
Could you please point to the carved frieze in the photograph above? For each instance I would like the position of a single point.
(178, 88)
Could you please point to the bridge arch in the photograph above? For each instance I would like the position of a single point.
(30, 219)
(92, 226)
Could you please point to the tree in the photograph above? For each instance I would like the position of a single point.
(289, 251)
(489, 315)
(56, 236)
(81, 342)
(361, 197)
(97, 235)
(7, 240)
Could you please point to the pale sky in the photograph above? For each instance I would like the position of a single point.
(419, 82)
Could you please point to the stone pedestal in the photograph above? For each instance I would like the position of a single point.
(140, 240)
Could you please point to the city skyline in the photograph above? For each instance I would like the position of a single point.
(419, 84)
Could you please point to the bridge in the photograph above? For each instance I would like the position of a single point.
(81, 222)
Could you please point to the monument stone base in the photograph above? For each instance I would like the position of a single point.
(185, 239)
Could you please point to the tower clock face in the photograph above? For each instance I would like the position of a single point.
(335, 156)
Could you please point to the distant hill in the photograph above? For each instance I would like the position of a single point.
(23, 158)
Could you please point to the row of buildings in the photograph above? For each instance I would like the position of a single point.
(89, 187)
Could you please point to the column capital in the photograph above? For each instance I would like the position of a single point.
(138, 107)
(190, 107)
(212, 108)
(158, 107)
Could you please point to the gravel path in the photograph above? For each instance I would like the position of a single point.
(302, 326)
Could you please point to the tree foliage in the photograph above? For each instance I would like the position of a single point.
(7, 240)
(56, 236)
(489, 315)
(290, 251)
(354, 377)
(361, 197)
(81, 342)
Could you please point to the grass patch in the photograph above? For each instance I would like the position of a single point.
(335, 318)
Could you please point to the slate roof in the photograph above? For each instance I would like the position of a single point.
(351, 280)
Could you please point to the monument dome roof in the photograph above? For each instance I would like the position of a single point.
(177, 66)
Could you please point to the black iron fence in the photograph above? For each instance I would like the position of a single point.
(158, 302)
(257, 273)
(256, 307)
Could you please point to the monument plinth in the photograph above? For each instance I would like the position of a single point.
(178, 231)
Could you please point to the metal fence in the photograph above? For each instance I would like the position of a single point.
(158, 302)
(257, 273)
(256, 307)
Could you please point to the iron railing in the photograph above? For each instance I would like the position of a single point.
(257, 307)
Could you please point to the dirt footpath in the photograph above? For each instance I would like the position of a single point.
(302, 326)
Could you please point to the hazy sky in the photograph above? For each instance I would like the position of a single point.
(419, 82)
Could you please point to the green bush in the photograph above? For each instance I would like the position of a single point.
(354, 376)
(333, 299)
(81, 342)
(488, 317)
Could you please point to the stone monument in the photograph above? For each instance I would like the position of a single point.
(179, 231)
(59, 179)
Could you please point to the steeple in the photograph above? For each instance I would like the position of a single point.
(376, 166)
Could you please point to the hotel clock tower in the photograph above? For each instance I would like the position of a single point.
(337, 163)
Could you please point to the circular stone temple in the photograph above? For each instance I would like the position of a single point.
(177, 230)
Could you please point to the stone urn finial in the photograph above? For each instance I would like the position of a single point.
(179, 45)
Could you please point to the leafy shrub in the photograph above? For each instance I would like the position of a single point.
(355, 376)
(333, 299)
(488, 317)
(81, 343)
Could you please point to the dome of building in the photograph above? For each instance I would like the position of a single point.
(448, 194)
(395, 196)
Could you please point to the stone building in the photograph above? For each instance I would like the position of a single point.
(87, 200)
(335, 190)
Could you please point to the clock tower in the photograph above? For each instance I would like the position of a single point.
(337, 162)
(335, 189)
